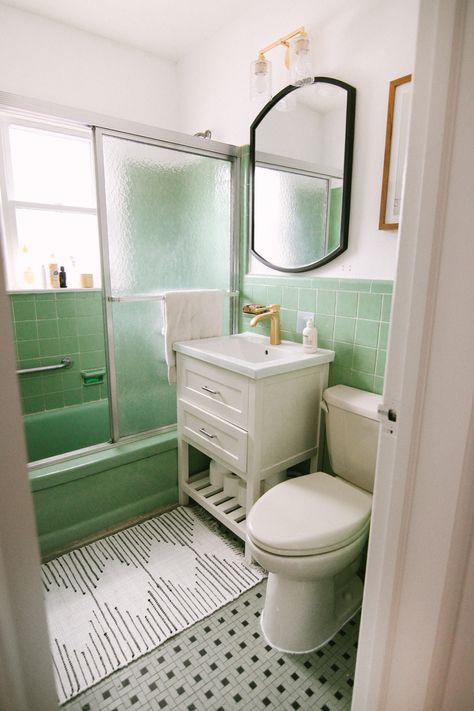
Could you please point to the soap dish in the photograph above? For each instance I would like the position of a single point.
(254, 309)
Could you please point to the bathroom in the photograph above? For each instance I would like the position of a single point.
(367, 46)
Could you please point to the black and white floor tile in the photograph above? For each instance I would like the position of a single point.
(223, 663)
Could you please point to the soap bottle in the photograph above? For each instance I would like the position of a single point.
(62, 278)
(53, 273)
(310, 337)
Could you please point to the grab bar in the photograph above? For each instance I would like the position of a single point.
(153, 297)
(65, 363)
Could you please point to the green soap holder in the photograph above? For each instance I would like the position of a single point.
(93, 377)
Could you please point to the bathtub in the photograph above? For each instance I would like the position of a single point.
(85, 494)
(54, 432)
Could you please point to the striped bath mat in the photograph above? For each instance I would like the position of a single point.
(120, 597)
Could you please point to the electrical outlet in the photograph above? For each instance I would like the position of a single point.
(301, 318)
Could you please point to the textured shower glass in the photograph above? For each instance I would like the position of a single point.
(169, 227)
(290, 217)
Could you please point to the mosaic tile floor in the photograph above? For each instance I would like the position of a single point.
(223, 663)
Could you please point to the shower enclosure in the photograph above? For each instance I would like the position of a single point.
(166, 215)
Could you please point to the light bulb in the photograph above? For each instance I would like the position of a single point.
(260, 79)
(301, 70)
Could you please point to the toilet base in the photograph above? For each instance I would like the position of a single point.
(319, 609)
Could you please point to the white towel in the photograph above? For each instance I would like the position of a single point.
(189, 314)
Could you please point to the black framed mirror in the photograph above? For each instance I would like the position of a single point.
(301, 147)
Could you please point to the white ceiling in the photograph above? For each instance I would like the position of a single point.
(168, 28)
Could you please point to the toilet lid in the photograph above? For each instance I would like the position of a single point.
(308, 515)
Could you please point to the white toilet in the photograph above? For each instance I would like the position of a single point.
(309, 532)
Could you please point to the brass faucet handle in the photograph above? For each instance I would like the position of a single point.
(275, 308)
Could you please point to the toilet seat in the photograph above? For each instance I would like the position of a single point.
(309, 515)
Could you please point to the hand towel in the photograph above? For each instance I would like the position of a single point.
(189, 314)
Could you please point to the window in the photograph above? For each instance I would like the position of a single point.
(49, 213)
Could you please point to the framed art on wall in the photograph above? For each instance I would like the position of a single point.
(396, 139)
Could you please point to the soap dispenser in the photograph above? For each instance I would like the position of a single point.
(310, 337)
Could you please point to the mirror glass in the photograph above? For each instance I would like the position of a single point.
(301, 162)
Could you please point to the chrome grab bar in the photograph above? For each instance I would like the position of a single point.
(65, 363)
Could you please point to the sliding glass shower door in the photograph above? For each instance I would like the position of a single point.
(166, 223)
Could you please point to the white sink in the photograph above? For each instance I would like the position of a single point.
(252, 355)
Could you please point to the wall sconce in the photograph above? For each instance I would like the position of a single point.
(297, 60)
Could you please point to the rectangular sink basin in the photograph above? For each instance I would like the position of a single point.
(252, 355)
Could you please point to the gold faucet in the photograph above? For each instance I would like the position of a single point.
(274, 315)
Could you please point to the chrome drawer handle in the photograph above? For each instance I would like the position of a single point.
(203, 431)
(208, 390)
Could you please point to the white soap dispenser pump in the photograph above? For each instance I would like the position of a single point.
(310, 337)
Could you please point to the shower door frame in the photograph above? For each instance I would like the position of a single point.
(176, 142)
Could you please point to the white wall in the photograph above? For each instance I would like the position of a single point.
(370, 43)
(47, 60)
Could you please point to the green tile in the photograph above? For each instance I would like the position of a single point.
(52, 382)
(380, 365)
(383, 335)
(355, 285)
(66, 307)
(28, 349)
(48, 328)
(26, 331)
(92, 393)
(322, 283)
(386, 307)
(32, 404)
(367, 333)
(259, 294)
(364, 359)
(30, 385)
(344, 329)
(346, 304)
(290, 297)
(344, 353)
(94, 359)
(46, 309)
(24, 310)
(53, 401)
(370, 306)
(73, 397)
(50, 347)
(67, 326)
(71, 380)
(326, 302)
(88, 325)
(382, 287)
(16, 298)
(94, 342)
(45, 296)
(339, 376)
(307, 300)
(378, 385)
(288, 320)
(325, 343)
(88, 305)
(325, 326)
(274, 294)
(69, 344)
(363, 381)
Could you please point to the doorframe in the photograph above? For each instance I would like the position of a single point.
(421, 527)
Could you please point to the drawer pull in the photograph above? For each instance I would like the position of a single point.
(203, 431)
(208, 390)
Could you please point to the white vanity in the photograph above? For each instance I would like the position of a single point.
(254, 409)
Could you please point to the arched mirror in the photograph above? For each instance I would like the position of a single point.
(301, 147)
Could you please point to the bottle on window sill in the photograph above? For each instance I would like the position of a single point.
(62, 278)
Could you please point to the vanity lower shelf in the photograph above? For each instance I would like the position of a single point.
(224, 508)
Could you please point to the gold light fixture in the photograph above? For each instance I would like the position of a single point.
(297, 61)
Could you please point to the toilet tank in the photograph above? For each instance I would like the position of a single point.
(352, 427)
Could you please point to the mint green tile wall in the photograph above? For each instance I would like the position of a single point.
(352, 317)
(49, 326)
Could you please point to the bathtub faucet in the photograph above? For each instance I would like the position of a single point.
(273, 314)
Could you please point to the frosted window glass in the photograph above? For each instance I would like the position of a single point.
(169, 227)
(292, 207)
(50, 167)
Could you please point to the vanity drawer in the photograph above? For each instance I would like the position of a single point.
(215, 390)
(214, 436)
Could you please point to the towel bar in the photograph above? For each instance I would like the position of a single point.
(65, 363)
(152, 297)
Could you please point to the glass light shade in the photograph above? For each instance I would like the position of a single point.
(260, 79)
(301, 70)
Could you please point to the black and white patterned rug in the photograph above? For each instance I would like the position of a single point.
(118, 598)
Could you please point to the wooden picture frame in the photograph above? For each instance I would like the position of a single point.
(396, 138)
